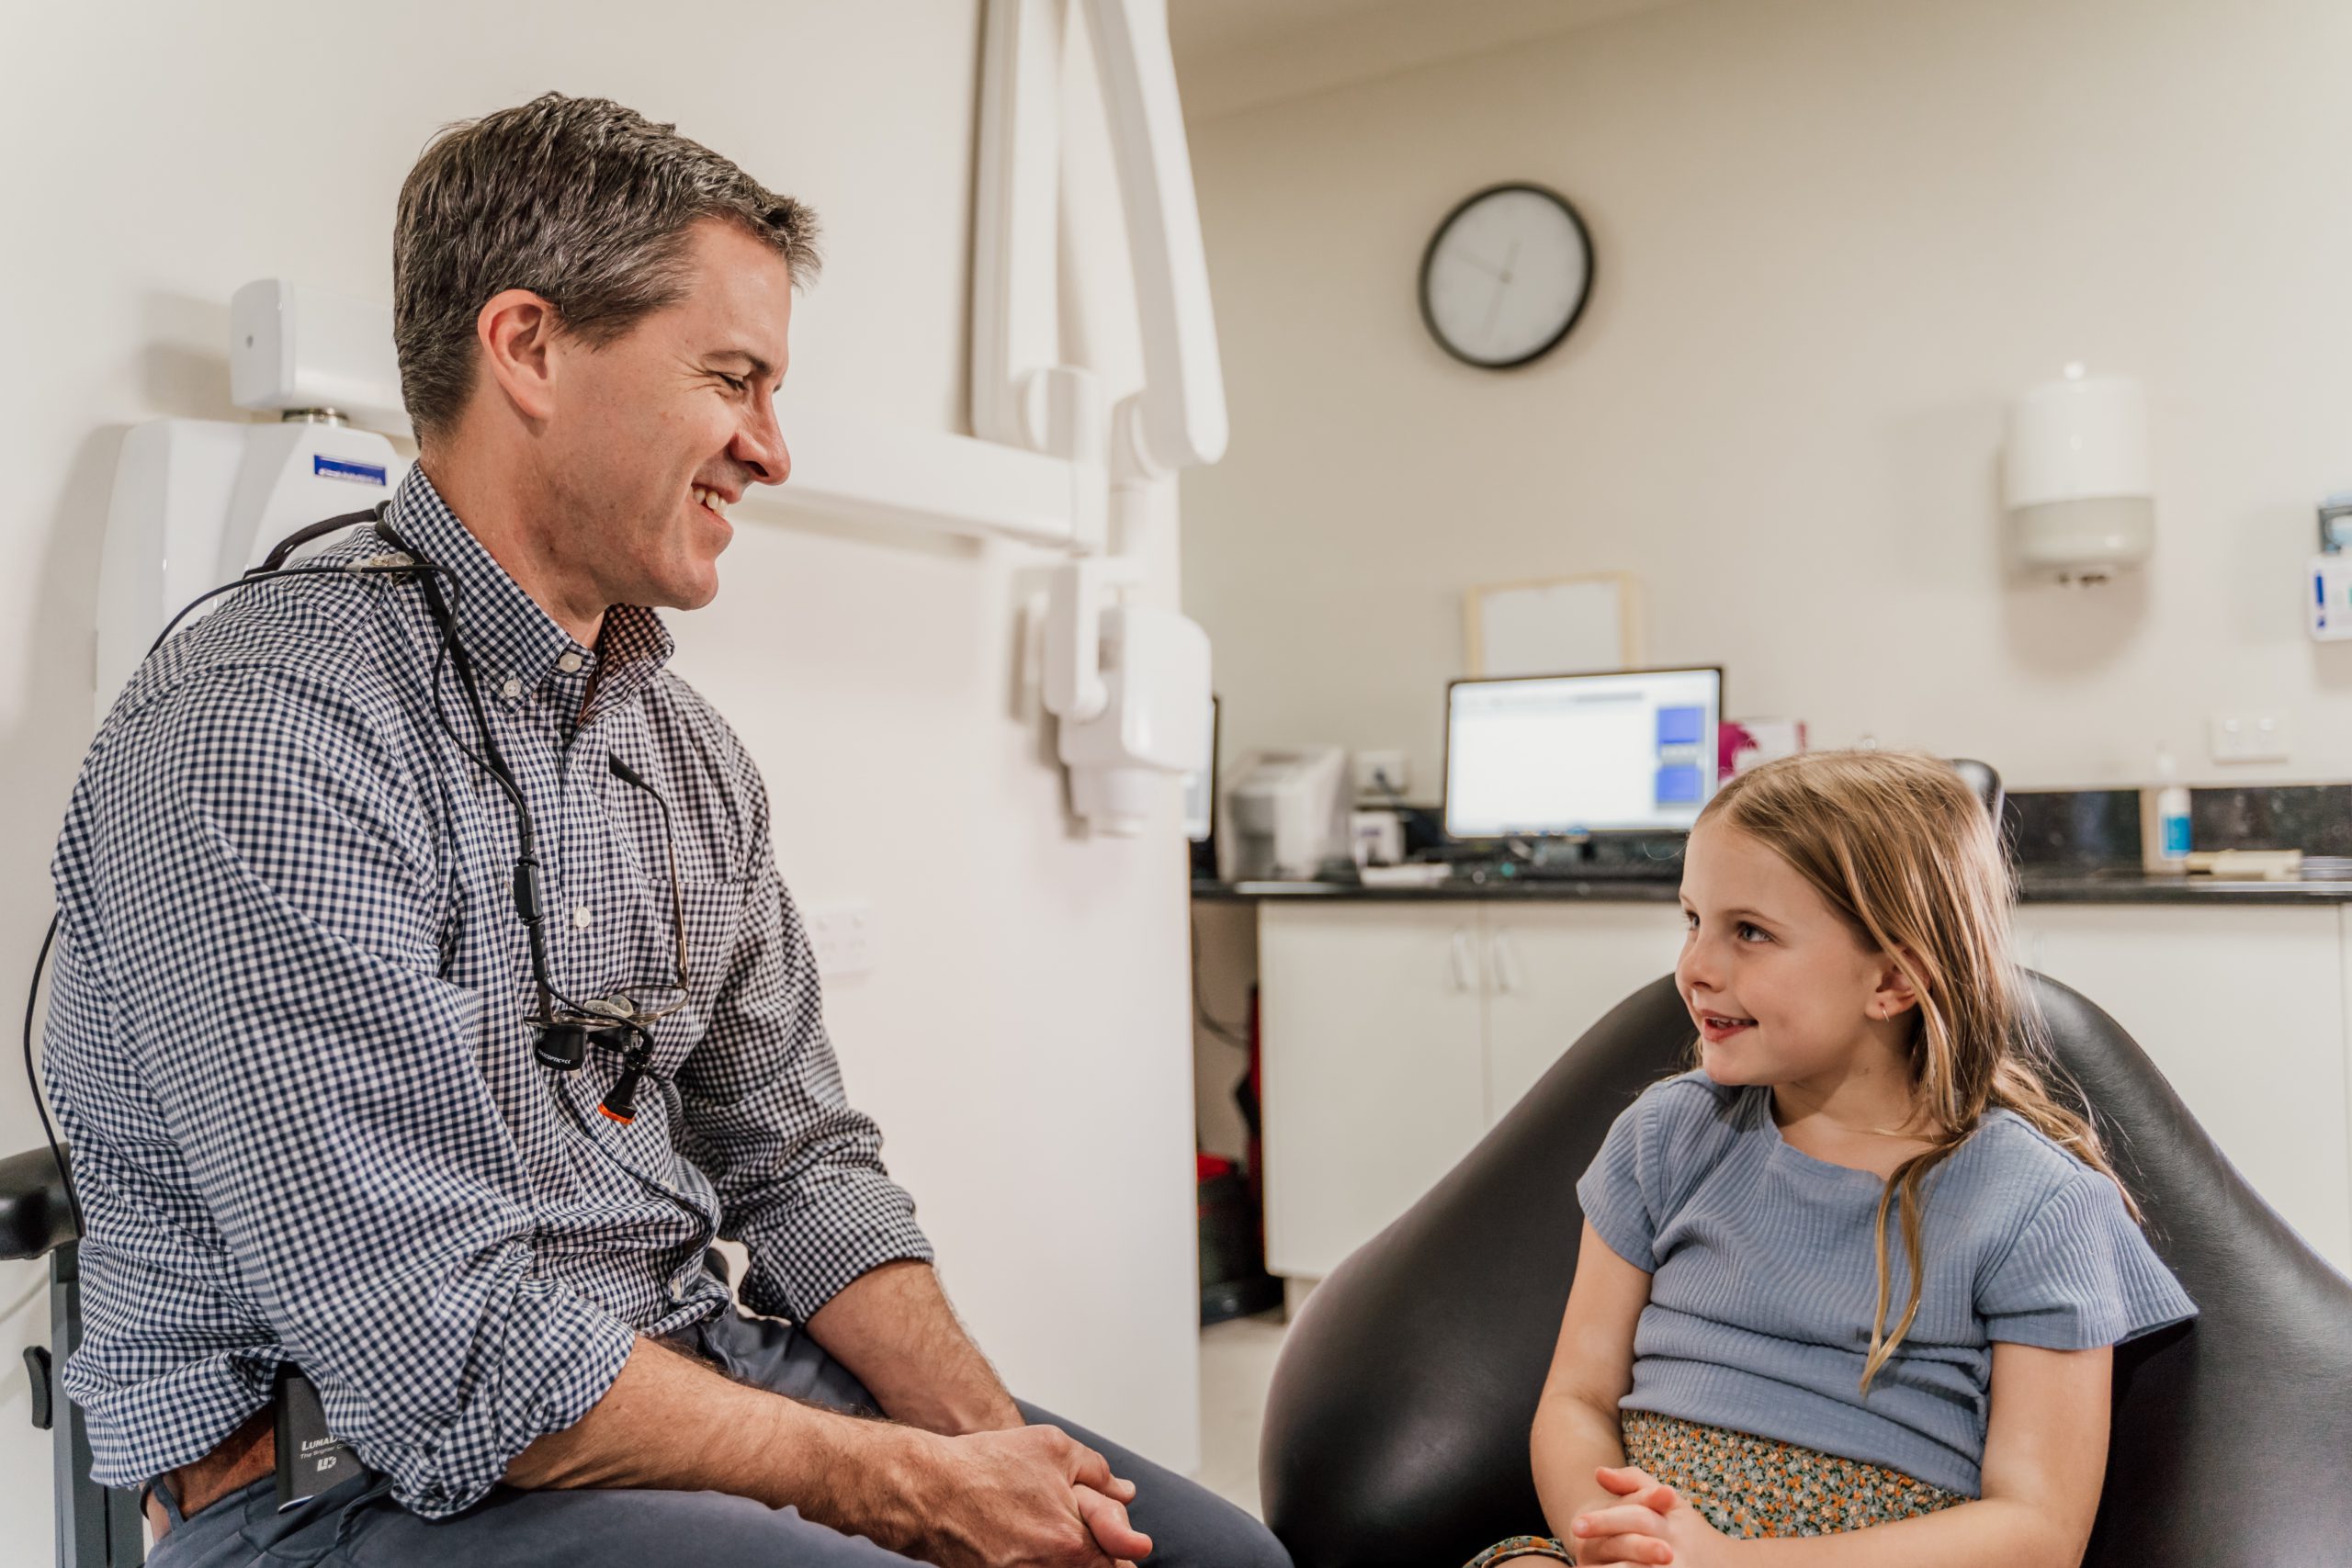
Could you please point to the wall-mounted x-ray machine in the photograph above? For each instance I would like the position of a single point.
(1053, 463)
(1128, 680)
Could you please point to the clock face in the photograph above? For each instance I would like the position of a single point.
(1505, 276)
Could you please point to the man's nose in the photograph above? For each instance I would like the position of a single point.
(759, 445)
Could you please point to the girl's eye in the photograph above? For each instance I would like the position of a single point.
(1747, 933)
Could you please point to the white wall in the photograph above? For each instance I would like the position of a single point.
(1834, 237)
(1023, 1037)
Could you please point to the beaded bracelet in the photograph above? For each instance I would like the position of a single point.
(1521, 1546)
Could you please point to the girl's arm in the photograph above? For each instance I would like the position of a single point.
(1592, 1369)
(2045, 1457)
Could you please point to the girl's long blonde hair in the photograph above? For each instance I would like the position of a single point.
(1903, 848)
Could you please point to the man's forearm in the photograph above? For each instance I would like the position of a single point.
(894, 1330)
(670, 1423)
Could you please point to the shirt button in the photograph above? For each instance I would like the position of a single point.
(581, 917)
(512, 688)
(569, 663)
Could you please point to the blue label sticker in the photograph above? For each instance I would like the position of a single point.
(2175, 836)
(328, 468)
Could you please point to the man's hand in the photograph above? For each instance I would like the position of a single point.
(1029, 1497)
(1653, 1524)
(1032, 1498)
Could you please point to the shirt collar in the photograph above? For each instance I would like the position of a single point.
(510, 637)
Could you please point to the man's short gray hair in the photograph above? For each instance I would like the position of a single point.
(577, 200)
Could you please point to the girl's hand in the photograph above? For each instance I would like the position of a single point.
(1653, 1524)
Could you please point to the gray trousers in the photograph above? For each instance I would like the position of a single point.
(357, 1525)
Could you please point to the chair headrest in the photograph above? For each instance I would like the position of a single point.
(35, 1212)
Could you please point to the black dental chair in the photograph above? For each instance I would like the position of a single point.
(1397, 1424)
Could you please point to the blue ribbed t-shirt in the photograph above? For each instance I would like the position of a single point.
(1764, 1276)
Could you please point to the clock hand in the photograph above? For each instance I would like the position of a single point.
(1502, 281)
(1488, 267)
(1495, 306)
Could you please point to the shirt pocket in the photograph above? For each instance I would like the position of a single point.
(714, 910)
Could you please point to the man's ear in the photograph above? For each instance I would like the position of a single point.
(516, 332)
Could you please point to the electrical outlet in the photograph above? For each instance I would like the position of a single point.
(1371, 766)
(2247, 738)
(841, 937)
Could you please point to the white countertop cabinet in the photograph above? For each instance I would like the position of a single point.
(2245, 1012)
(1395, 1034)
(1376, 1088)
(1553, 971)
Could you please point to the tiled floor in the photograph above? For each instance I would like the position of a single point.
(1237, 1361)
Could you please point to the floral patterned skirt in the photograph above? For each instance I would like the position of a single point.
(1749, 1487)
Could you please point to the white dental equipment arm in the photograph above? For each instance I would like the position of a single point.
(1129, 682)
(1182, 400)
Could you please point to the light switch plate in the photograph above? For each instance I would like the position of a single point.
(1369, 763)
(841, 937)
(2247, 738)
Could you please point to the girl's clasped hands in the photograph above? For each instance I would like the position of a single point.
(1654, 1524)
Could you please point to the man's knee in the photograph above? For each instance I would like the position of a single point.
(1203, 1530)
(617, 1528)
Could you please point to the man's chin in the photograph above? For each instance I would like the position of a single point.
(685, 586)
(686, 596)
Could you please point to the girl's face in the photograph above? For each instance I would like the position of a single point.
(1782, 987)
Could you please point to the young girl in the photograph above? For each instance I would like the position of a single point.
(1858, 1277)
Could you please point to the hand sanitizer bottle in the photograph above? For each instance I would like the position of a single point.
(2164, 820)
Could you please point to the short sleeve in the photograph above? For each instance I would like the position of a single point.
(2080, 1275)
(1617, 1189)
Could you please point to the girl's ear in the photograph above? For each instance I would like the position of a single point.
(1896, 994)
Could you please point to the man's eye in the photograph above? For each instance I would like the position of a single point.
(734, 383)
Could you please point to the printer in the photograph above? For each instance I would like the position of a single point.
(1285, 815)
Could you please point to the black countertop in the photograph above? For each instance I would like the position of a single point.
(2120, 886)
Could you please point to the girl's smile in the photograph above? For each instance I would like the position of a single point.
(1718, 1027)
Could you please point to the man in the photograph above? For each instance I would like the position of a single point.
(297, 1023)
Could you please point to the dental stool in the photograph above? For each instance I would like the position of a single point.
(1396, 1425)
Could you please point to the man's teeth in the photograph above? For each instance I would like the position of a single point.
(710, 498)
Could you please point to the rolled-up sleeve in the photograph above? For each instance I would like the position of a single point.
(798, 1171)
(262, 875)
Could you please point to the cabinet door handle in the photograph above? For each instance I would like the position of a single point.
(1465, 963)
(1506, 965)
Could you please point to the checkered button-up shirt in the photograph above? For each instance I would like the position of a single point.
(287, 1036)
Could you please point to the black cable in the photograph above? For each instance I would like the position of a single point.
(1232, 1034)
(281, 575)
(32, 998)
(40, 963)
(492, 761)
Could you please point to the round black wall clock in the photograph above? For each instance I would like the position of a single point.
(1505, 276)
